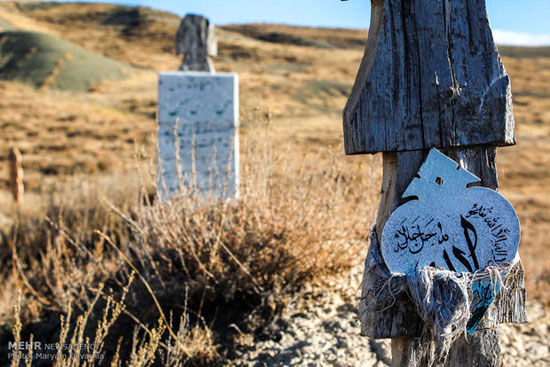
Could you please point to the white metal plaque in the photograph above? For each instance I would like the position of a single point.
(448, 225)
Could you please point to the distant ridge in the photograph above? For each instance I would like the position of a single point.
(524, 51)
(306, 36)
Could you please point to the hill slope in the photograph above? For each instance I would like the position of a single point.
(43, 60)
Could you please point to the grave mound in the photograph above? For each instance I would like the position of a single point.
(43, 60)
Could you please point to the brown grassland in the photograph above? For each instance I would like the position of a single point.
(92, 244)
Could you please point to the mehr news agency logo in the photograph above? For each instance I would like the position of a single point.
(53, 351)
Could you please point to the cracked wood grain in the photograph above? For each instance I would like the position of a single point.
(431, 76)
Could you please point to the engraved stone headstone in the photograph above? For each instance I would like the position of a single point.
(448, 225)
(196, 41)
(199, 113)
(198, 118)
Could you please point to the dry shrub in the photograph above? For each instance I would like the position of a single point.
(88, 335)
(75, 209)
(209, 263)
(294, 222)
(49, 247)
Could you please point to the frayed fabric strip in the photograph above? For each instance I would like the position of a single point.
(442, 298)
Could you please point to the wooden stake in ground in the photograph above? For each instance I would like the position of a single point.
(431, 77)
(196, 41)
(16, 175)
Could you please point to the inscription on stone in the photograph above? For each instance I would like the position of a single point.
(204, 107)
(447, 225)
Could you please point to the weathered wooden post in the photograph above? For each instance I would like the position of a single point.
(196, 41)
(431, 77)
(16, 175)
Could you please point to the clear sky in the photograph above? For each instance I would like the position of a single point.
(514, 21)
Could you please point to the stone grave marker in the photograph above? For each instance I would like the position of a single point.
(431, 77)
(196, 41)
(198, 122)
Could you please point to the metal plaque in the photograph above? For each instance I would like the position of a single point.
(448, 225)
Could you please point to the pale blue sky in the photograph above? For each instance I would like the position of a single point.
(514, 21)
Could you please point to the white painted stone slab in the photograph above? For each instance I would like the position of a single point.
(205, 109)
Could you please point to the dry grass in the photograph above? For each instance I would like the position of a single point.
(224, 262)
(59, 140)
(87, 336)
(303, 206)
(524, 168)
